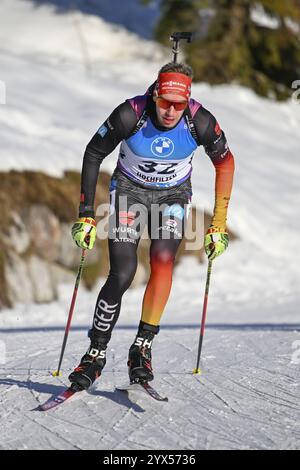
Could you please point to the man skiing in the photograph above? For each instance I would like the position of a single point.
(160, 132)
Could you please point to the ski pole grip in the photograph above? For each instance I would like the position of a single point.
(177, 36)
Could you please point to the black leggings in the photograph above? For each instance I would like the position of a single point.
(126, 225)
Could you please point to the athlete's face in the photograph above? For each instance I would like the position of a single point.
(169, 109)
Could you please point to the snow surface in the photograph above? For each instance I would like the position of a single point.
(64, 74)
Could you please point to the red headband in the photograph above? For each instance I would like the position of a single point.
(174, 83)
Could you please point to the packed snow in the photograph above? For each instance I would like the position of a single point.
(63, 75)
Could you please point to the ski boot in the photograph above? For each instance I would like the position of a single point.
(91, 364)
(139, 357)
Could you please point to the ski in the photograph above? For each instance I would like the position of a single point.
(58, 399)
(68, 393)
(144, 386)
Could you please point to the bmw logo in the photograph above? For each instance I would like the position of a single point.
(162, 147)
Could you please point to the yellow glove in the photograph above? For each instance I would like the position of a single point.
(215, 242)
(84, 232)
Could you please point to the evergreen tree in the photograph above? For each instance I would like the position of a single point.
(231, 44)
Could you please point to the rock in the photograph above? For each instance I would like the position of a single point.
(45, 231)
(18, 237)
(61, 275)
(40, 275)
(18, 282)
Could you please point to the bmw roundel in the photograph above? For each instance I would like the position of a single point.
(162, 147)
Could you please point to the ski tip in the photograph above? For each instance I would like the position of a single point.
(37, 408)
(197, 371)
(56, 373)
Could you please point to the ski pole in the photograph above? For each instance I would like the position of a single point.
(67, 329)
(197, 370)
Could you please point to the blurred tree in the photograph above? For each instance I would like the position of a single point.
(255, 43)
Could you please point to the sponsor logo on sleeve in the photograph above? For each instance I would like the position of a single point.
(102, 130)
(218, 129)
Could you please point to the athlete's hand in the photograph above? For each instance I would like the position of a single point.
(84, 232)
(215, 242)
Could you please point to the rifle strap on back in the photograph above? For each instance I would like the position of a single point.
(190, 122)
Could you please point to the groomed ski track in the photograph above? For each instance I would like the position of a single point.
(248, 394)
(245, 398)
